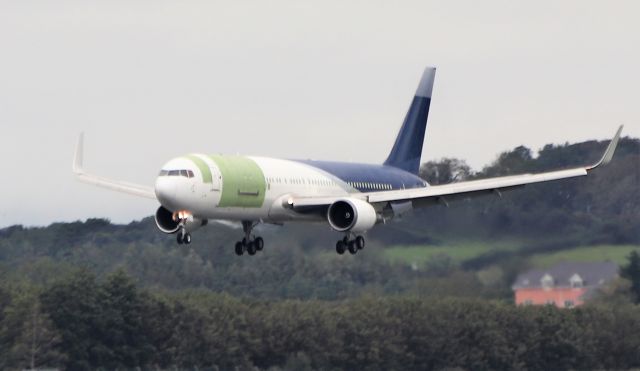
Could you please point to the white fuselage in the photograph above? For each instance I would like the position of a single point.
(223, 197)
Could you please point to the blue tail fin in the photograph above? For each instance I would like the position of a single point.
(407, 149)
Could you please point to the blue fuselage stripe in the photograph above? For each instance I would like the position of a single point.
(368, 177)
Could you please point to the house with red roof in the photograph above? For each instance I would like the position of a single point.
(565, 285)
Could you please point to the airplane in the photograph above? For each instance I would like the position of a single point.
(351, 197)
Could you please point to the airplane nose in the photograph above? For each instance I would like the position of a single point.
(165, 190)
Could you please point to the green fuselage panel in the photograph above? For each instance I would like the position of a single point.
(243, 183)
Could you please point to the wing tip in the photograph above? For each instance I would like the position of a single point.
(79, 155)
(611, 149)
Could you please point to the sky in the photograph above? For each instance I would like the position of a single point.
(151, 80)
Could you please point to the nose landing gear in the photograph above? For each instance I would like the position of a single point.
(353, 245)
(183, 237)
(249, 244)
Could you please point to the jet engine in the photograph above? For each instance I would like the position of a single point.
(169, 222)
(351, 214)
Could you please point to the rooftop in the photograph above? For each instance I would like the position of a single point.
(568, 274)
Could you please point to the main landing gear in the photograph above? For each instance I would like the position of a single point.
(249, 244)
(352, 245)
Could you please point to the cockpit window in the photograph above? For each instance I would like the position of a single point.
(184, 173)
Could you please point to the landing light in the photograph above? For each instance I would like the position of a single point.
(182, 215)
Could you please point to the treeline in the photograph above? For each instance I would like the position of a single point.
(298, 262)
(603, 207)
(81, 323)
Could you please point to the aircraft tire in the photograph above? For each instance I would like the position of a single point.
(360, 243)
(352, 247)
(186, 239)
(251, 248)
(259, 242)
(340, 247)
(239, 248)
(179, 238)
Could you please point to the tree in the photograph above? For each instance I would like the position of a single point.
(445, 170)
(123, 323)
(73, 306)
(28, 338)
(631, 271)
(519, 160)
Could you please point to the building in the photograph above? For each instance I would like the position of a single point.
(565, 285)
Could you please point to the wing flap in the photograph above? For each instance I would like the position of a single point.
(474, 186)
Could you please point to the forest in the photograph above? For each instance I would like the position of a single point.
(92, 294)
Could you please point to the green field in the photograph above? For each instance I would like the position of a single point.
(614, 253)
(461, 251)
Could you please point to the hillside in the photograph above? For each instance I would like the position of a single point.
(485, 234)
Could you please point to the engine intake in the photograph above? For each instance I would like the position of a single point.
(167, 223)
(351, 214)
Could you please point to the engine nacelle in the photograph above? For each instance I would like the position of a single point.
(351, 214)
(167, 221)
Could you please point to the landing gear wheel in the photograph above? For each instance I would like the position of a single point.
(251, 248)
(179, 239)
(352, 247)
(186, 239)
(360, 242)
(239, 248)
(259, 242)
(340, 247)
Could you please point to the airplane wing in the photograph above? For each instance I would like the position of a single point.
(465, 189)
(114, 185)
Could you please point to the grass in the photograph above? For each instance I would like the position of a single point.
(614, 253)
(459, 251)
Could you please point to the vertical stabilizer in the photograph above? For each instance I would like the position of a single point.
(407, 149)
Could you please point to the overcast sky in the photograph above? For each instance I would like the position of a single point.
(151, 80)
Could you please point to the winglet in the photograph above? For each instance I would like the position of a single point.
(608, 153)
(77, 159)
